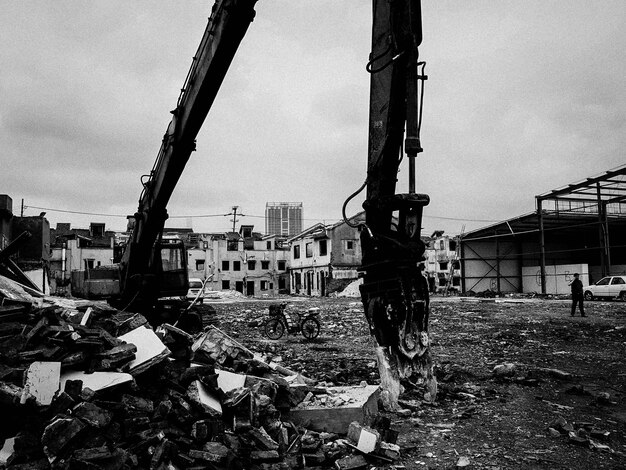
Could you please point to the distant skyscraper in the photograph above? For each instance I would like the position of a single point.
(283, 218)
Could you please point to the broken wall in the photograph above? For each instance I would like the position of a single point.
(6, 213)
(37, 248)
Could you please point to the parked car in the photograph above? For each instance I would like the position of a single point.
(195, 286)
(610, 287)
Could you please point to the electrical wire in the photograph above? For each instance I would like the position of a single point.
(331, 220)
(73, 212)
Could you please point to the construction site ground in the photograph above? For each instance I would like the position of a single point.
(560, 406)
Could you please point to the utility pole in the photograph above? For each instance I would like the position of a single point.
(234, 219)
(22, 211)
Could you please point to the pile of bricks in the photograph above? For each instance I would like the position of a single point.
(96, 388)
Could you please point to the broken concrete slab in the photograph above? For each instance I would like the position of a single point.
(150, 349)
(96, 381)
(262, 439)
(10, 394)
(212, 452)
(7, 451)
(17, 292)
(42, 382)
(218, 347)
(92, 414)
(363, 403)
(351, 462)
(504, 370)
(389, 450)
(260, 456)
(366, 439)
(197, 393)
(228, 381)
(58, 434)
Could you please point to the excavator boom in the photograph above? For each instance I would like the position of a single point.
(394, 291)
(142, 261)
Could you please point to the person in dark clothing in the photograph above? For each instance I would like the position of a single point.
(577, 295)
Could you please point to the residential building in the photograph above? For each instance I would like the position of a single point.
(250, 263)
(442, 265)
(32, 254)
(245, 261)
(325, 258)
(283, 218)
(78, 250)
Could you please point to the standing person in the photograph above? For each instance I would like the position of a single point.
(577, 295)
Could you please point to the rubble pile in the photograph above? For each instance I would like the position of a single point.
(351, 290)
(92, 387)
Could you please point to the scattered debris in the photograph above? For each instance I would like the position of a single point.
(113, 394)
(504, 370)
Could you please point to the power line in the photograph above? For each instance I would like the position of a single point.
(201, 216)
(73, 212)
(458, 219)
(118, 215)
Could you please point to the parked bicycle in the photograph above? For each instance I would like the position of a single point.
(281, 321)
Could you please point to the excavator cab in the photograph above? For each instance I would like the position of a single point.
(173, 280)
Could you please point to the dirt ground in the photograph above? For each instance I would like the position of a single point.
(569, 374)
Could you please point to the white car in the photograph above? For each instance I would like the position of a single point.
(195, 286)
(610, 287)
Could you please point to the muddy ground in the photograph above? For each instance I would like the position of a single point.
(480, 420)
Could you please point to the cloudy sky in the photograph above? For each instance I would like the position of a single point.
(522, 98)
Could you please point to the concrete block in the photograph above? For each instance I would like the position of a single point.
(92, 414)
(58, 434)
(150, 349)
(7, 451)
(42, 382)
(202, 397)
(228, 381)
(96, 381)
(368, 440)
(351, 462)
(337, 419)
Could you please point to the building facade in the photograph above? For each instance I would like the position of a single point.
(442, 266)
(78, 250)
(283, 218)
(29, 258)
(324, 259)
(244, 261)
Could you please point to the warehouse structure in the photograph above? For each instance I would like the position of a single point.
(580, 228)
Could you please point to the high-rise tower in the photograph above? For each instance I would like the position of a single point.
(283, 218)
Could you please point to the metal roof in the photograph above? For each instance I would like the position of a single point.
(608, 187)
(571, 208)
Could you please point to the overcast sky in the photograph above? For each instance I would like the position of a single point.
(522, 98)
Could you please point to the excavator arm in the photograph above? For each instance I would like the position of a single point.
(394, 291)
(141, 265)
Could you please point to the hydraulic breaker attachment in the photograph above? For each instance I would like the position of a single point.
(395, 293)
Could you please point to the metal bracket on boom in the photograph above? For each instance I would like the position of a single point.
(394, 292)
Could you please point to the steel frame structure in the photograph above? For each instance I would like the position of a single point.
(592, 195)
